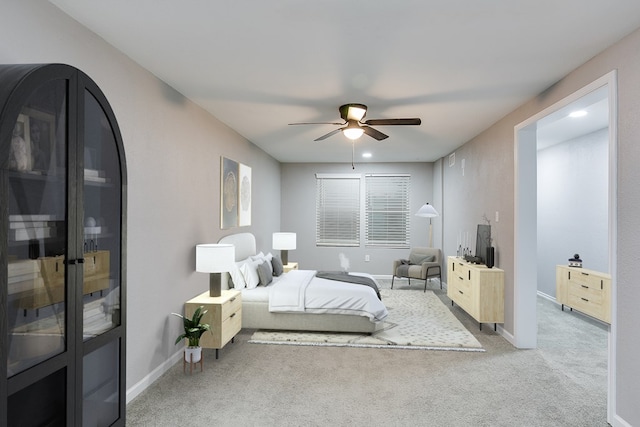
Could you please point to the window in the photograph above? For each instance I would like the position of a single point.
(387, 210)
(337, 210)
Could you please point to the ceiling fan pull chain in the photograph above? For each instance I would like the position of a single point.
(353, 151)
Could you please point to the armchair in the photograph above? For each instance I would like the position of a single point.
(423, 263)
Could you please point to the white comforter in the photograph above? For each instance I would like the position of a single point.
(300, 291)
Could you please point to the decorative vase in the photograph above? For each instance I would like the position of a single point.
(192, 354)
(490, 257)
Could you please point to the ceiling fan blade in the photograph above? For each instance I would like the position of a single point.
(325, 136)
(392, 122)
(373, 133)
(317, 123)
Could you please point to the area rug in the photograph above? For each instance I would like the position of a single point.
(417, 321)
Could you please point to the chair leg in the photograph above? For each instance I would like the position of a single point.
(392, 279)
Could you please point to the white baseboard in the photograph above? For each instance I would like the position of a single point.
(145, 382)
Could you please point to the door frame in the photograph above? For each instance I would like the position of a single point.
(525, 225)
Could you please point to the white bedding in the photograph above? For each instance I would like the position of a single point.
(300, 291)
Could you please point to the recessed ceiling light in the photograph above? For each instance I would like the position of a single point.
(578, 113)
(366, 155)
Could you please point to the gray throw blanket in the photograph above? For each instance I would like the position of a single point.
(349, 278)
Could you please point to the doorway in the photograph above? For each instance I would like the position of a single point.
(525, 219)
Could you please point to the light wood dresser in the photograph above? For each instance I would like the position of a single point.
(477, 289)
(584, 290)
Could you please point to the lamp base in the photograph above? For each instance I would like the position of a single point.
(215, 284)
(284, 256)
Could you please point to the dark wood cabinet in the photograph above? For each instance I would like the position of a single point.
(62, 250)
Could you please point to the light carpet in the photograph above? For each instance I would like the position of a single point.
(417, 320)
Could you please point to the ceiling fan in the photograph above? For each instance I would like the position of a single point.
(353, 115)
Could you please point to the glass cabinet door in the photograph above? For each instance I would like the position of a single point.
(36, 235)
(102, 217)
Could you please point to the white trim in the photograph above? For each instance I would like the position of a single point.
(149, 379)
(522, 246)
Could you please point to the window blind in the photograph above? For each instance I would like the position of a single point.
(337, 210)
(387, 215)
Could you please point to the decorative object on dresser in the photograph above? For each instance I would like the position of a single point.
(223, 313)
(214, 258)
(284, 242)
(430, 212)
(193, 330)
(478, 290)
(575, 261)
(585, 290)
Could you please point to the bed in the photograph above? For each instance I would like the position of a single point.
(364, 311)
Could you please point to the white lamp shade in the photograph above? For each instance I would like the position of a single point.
(284, 241)
(215, 258)
(427, 211)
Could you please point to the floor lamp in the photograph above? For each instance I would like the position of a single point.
(428, 211)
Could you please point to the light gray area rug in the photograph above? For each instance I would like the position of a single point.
(416, 321)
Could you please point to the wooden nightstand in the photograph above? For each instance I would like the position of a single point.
(224, 315)
(291, 266)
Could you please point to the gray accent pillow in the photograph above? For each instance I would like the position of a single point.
(278, 268)
(418, 259)
(264, 273)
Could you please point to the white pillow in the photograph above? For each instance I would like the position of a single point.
(238, 278)
(249, 271)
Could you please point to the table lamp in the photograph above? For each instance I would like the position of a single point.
(215, 259)
(284, 242)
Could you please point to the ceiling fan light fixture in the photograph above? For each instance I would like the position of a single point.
(356, 113)
(353, 131)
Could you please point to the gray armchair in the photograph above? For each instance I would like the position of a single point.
(423, 263)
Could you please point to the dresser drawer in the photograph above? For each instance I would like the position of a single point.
(231, 306)
(586, 280)
(231, 326)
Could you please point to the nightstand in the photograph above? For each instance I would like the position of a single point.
(291, 266)
(224, 315)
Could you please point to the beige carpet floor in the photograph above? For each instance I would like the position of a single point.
(416, 320)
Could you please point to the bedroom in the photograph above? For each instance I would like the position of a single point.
(176, 143)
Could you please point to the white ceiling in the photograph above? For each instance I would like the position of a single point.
(459, 65)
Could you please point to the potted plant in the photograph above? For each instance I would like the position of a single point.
(193, 330)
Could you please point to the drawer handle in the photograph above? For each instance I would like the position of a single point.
(585, 274)
(232, 315)
(584, 286)
(460, 291)
(584, 299)
(233, 299)
(461, 278)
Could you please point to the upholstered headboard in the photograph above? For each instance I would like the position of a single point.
(245, 244)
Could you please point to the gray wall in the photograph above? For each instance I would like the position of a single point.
(299, 216)
(487, 186)
(573, 206)
(173, 150)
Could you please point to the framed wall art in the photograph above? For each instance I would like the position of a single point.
(244, 196)
(42, 140)
(228, 193)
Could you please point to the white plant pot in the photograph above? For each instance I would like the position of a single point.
(192, 354)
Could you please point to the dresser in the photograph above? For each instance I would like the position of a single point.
(585, 290)
(224, 314)
(478, 290)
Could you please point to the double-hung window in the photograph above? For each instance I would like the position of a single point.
(337, 210)
(387, 216)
